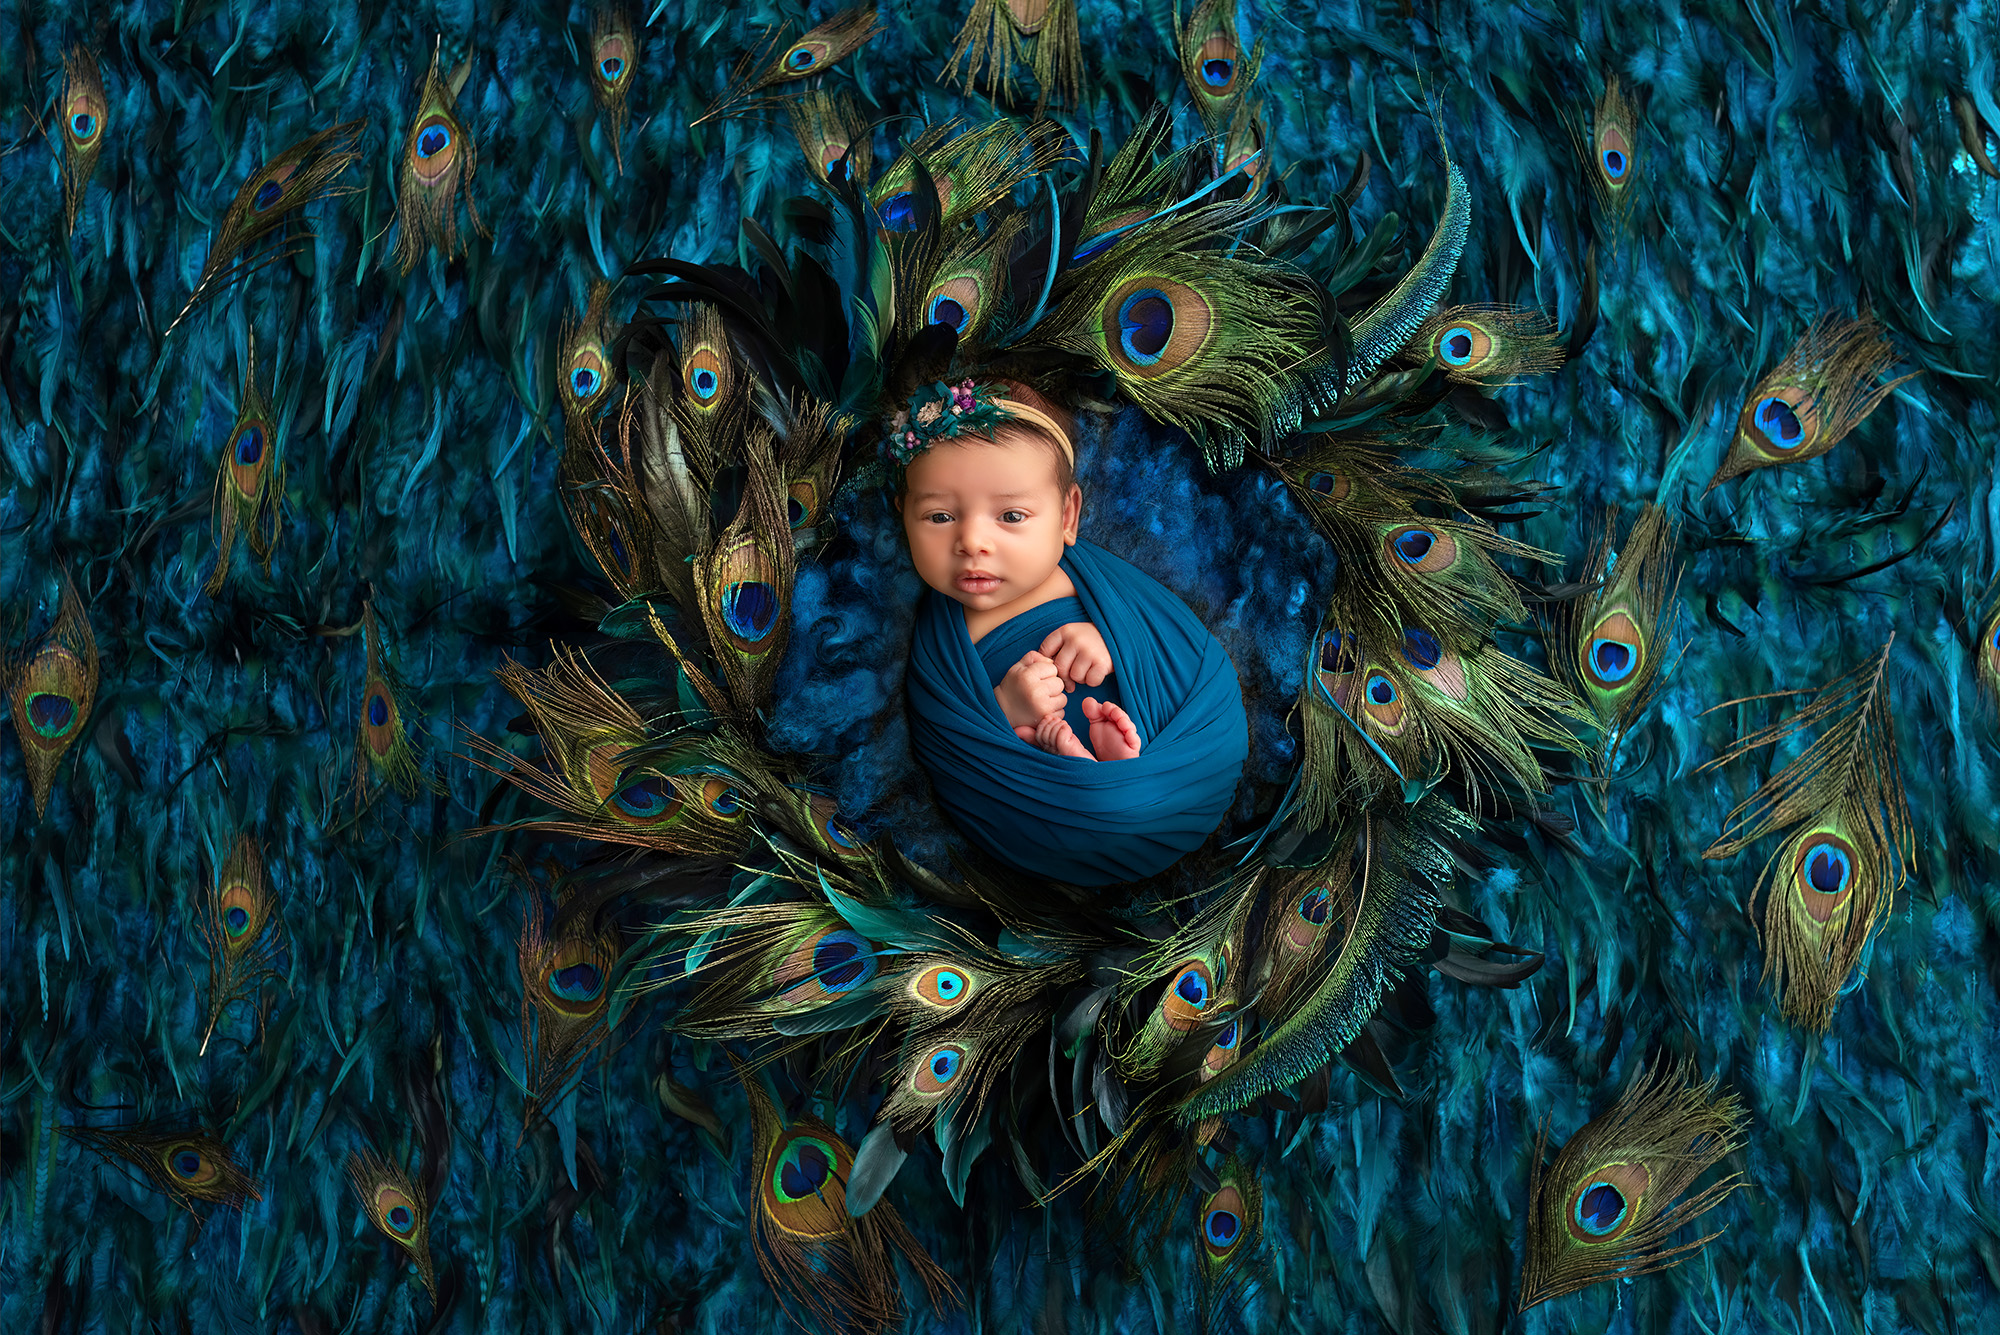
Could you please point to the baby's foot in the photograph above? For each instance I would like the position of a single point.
(1113, 735)
(1054, 735)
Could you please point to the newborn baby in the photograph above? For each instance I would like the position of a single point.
(1030, 640)
(987, 521)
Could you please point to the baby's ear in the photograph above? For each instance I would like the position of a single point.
(1072, 514)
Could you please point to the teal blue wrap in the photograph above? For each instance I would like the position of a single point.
(1063, 817)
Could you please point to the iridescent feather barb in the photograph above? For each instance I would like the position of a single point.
(1821, 391)
(395, 1208)
(1041, 33)
(565, 1001)
(242, 931)
(1389, 325)
(1605, 1208)
(811, 55)
(1848, 841)
(439, 160)
(85, 113)
(614, 54)
(1614, 641)
(190, 1166)
(50, 689)
(305, 172)
(837, 1271)
(381, 745)
(250, 483)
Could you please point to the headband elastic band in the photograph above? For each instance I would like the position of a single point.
(1022, 412)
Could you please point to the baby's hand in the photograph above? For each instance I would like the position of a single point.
(1030, 691)
(1079, 653)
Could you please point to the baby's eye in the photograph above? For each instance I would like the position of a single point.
(1013, 516)
(937, 517)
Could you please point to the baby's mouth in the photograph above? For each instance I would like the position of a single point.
(978, 581)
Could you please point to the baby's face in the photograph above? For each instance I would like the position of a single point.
(985, 521)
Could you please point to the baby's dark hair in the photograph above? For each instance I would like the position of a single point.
(1033, 398)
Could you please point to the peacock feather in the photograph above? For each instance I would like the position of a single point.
(381, 739)
(254, 230)
(242, 931)
(439, 161)
(1615, 641)
(85, 114)
(775, 62)
(51, 689)
(250, 484)
(832, 1270)
(1848, 840)
(189, 1166)
(395, 1208)
(1822, 390)
(998, 34)
(1606, 1208)
(614, 55)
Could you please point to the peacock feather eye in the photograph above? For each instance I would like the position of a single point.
(587, 376)
(1615, 651)
(827, 964)
(1155, 326)
(613, 57)
(1421, 549)
(191, 1165)
(801, 504)
(1223, 1052)
(805, 1183)
(749, 602)
(722, 798)
(270, 188)
(1611, 152)
(1222, 1230)
(435, 145)
(934, 1070)
(1989, 652)
(1823, 873)
(1782, 420)
(1382, 703)
(1606, 1202)
(1213, 63)
(1189, 994)
(955, 302)
(943, 987)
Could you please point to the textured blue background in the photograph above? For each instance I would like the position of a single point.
(1791, 160)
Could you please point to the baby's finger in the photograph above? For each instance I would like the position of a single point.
(1053, 642)
(1096, 671)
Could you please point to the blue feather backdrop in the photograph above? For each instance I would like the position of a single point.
(1789, 161)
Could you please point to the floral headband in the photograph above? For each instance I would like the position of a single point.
(942, 412)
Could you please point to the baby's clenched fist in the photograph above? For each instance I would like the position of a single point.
(1031, 689)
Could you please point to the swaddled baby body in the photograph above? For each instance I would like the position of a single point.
(1029, 631)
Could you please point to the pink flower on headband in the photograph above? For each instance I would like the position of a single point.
(962, 397)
